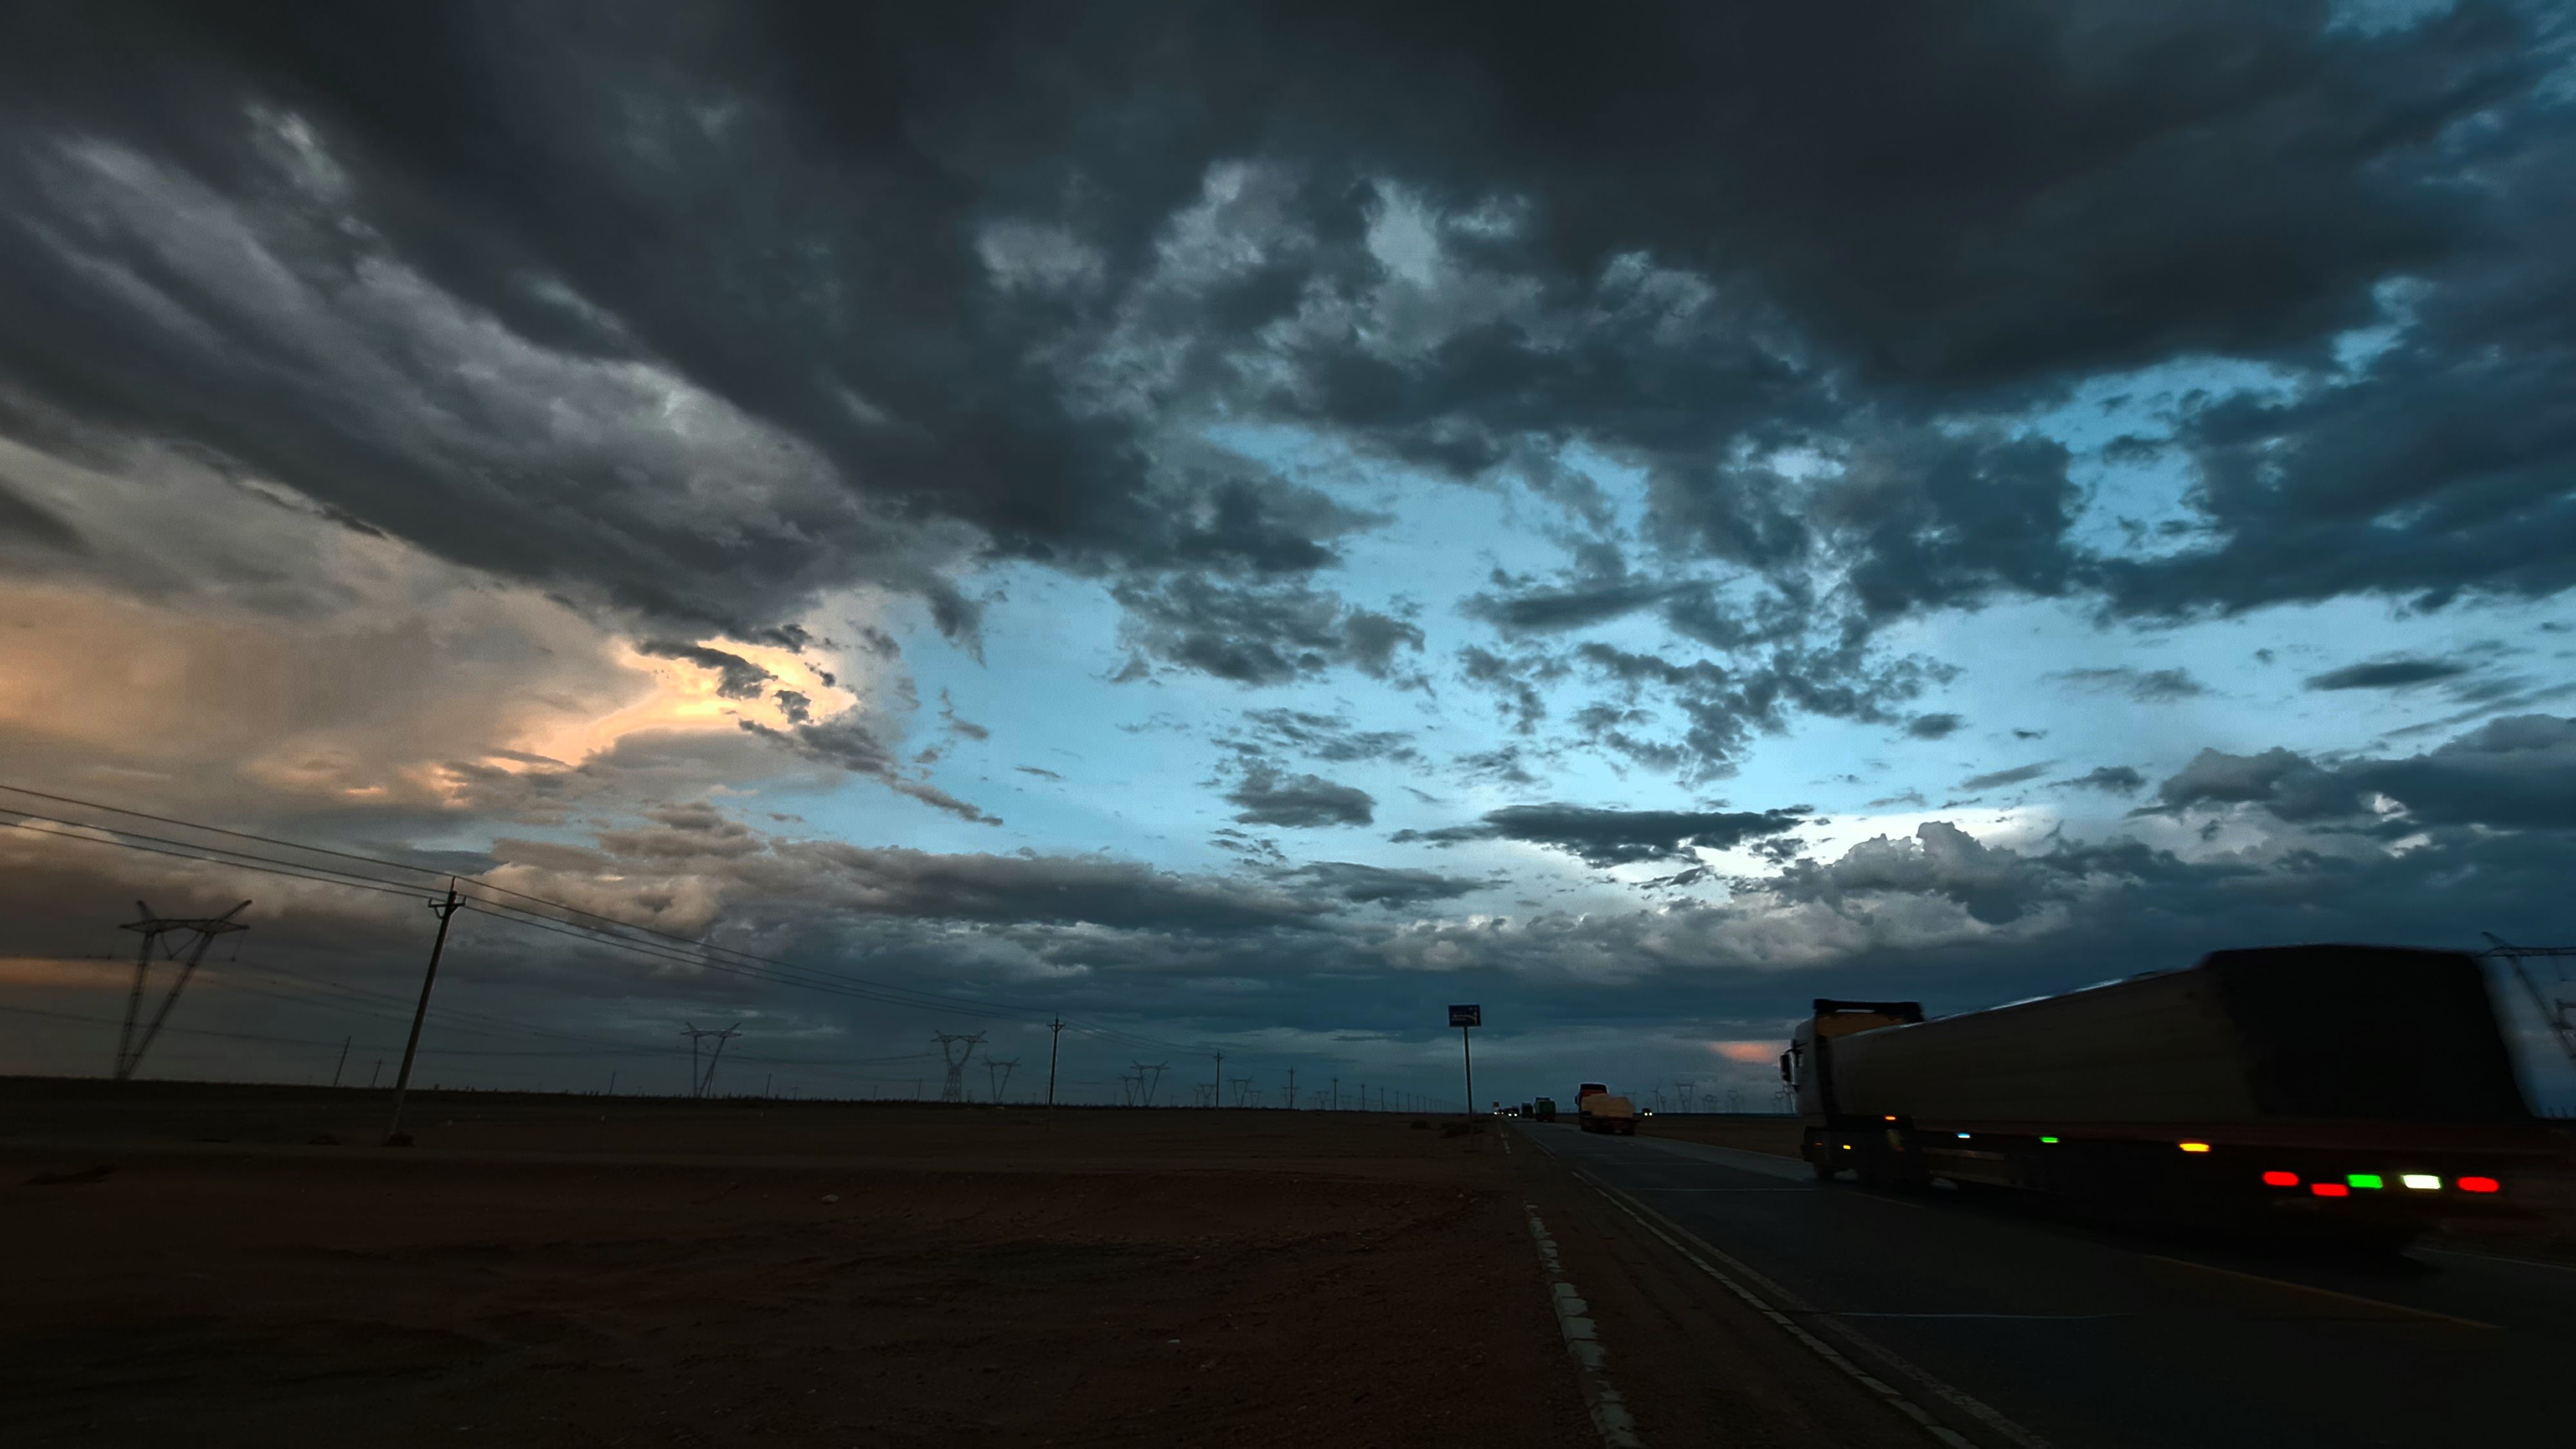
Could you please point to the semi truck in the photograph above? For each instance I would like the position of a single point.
(1583, 1096)
(2358, 1092)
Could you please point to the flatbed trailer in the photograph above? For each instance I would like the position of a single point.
(2359, 1092)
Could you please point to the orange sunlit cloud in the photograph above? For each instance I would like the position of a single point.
(1746, 1051)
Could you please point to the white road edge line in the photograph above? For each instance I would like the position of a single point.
(1953, 1439)
(1832, 1355)
(1609, 1410)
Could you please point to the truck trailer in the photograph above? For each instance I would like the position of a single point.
(2362, 1092)
(1609, 1113)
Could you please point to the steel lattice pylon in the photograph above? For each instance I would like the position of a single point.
(955, 1050)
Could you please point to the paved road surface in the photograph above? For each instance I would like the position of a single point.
(2079, 1336)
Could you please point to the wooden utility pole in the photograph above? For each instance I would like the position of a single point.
(446, 909)
(343, 1062)
(1055, 1041)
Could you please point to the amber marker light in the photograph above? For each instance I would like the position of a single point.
(2193, 1146)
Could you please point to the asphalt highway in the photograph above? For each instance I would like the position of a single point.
(2027, 1331)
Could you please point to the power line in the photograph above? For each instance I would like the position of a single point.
(660, 945)
(908, 995)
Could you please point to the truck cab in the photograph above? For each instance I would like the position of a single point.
(1802, 1065)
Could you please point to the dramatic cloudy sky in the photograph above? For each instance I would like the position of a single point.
(1245, 524)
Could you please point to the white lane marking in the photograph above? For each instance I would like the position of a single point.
(2291, 1285)
(2009, 1317)
(2010, 1431)
(1609, 1410)
(2508, 1262)
(1724, 1189)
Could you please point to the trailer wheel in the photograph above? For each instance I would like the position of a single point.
(1823, 1172)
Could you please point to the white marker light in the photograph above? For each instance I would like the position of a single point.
(2421, 1181)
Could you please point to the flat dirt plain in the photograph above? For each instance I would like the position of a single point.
(215, 1265)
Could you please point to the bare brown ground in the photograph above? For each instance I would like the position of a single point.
(674, 1274)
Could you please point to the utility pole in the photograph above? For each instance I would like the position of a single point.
(955, 1050)
(129, 1050)
(1055, 1040)
(1216, 1092)
(612, 1081)
(342, 1064)
(446, 911)
(765, 1079)
(1292, 1089)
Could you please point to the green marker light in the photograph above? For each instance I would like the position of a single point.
(2363, 1179)
(2048, 1139)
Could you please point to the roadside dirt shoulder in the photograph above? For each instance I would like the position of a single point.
(1697, 1365)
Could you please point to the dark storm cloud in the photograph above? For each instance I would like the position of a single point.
(846, 742)
(1256, 634)
(1300, 802)
(2109, 779)
(1553, 612)
(1618, 837)
(2013, 776)
(2146, 686)
(934, 270)
(24, 526)
(737, 677)
(2388, 674)
(2518, 773)
(1382, 885)
(1722, 706)
(1320, 736)
(1933, 726)
(1936, 521)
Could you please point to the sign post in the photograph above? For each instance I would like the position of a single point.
(1465, 1018)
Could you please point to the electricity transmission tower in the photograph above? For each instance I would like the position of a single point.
(1127, 1085)
(2559, 1014)
(198, 933)
(699, 1084)
(1150, 1083)
(998, 1072)
(1242, 1090)
(954, 1050)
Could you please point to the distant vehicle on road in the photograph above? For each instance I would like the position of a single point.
(1545, 1109)
(1603, 1112)
(2358, 1092)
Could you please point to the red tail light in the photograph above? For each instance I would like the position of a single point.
(2329, 1189)
(2280, 1179)
(2479, 1184)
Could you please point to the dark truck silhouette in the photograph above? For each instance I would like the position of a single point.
(2361, 1092)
